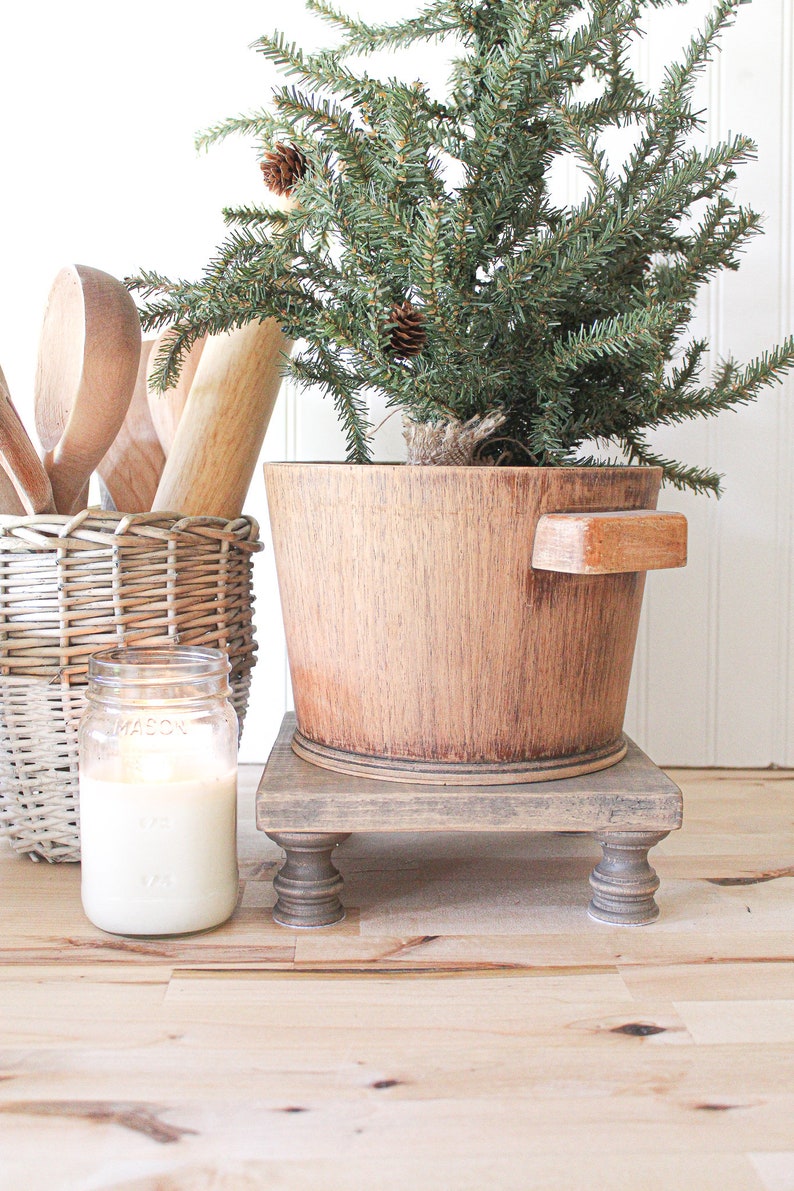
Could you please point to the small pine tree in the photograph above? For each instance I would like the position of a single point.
(423, 253)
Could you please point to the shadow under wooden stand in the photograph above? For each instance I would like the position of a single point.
(308, 811)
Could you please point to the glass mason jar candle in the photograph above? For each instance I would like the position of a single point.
(158, 791)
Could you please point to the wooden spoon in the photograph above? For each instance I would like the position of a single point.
(166, 408)
(21, 465)
(88, 361)
(216, 448)
(131, 468)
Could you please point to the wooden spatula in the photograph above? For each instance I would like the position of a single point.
(88, 361)
(216, 448)
(166, 408)
(131, 468)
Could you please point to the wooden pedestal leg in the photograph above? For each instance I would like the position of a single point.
(308, 885)
(623, 882)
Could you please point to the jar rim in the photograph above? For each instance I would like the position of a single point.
(156, 664)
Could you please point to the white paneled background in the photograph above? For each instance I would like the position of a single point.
(98, 107)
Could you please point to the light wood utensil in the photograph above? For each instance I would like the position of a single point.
(22, 469)
(166, 408)
(88, 361)
(10, 504)
(216, 448)
(131, 468)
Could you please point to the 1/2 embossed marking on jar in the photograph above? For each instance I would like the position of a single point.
(158, 791)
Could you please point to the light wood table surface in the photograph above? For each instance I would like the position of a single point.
(467, 1025)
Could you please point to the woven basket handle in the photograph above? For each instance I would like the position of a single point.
(610, 543)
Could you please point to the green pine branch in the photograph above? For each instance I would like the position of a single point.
(570, 319)
(436, 20)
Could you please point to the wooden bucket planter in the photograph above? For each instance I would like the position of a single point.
(464, 625)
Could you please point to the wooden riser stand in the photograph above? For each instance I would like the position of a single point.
(309, 811)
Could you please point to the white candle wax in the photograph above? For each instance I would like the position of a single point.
(159, 855)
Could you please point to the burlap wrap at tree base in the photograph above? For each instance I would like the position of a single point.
(452, 442)
(70, 586)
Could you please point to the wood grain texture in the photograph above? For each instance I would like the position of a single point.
(222, 427)
(87, 364)
(610, 543)
(467, 1026)
(459, 773)
(417, 629)
(10, 504)
(308, 887)
(132, 467)
(166, 408)
(623, 883)
(294, 795)
(21, 465)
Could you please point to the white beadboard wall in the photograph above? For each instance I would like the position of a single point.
(714, 674)
(98, 109)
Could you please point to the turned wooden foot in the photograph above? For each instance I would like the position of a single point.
(308, 885)
(623, 882)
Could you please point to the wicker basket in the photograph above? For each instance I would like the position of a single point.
(72, 585)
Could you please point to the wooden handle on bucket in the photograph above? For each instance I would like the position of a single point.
(610, 543)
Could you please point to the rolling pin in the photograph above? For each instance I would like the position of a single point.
(216, 447)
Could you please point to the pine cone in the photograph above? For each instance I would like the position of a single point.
(283, 168)
(407, 334)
